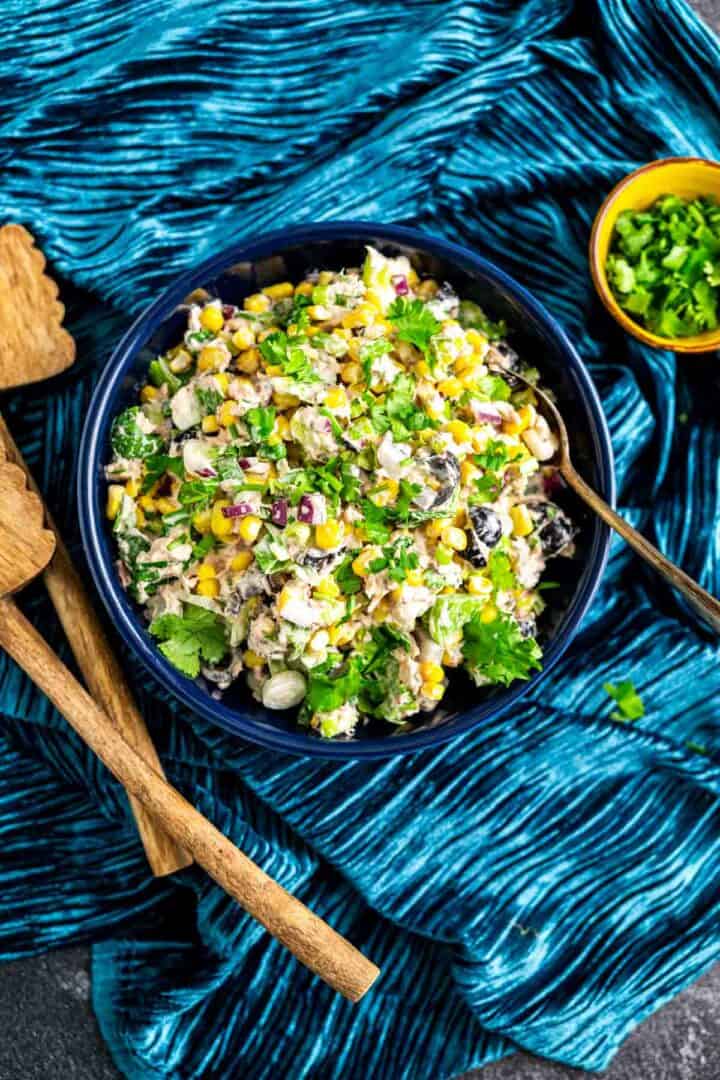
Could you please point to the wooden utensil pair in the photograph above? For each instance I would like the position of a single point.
(34, 346)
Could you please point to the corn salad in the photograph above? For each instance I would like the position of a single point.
(340, 489)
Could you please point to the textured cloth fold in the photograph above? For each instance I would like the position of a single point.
(549, 879)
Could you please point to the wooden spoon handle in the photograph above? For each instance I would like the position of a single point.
(705, 604)
(310, 939)
(103, 675)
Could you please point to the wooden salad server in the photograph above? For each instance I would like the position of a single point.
(34, 346)
(25, 549)
(702, 601)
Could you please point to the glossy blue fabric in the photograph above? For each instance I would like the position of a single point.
(549, 880)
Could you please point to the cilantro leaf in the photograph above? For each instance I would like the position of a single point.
(500, 571)
(186, 639)
(628, 701)
(127, 438)
(285, 352)
(498, 652)
(345, 576)
(260, 422)
(157, 465)
(208, 398)
(327, 692)
(374, 522)
(414, 322)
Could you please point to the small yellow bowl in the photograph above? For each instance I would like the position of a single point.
(686, 177)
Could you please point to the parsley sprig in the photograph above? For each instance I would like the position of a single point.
(414, 322)
(197, 634)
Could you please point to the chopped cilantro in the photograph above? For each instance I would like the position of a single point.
(629, 702)
(209, 399)
(157, 465)
(414, 322)
(500, 570)
(286, 353)
(345, 576)
(370, 351)
(374, 522)
(664, 265)
(498, 651)
(186, 639)
(260, 422)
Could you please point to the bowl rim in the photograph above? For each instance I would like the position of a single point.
(99, 556)
(599, 277)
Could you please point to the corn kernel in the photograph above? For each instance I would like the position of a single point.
(361, 563)
(139, 517)
(114, 501)
(427, 288)
(362, 315)
(435, 412)
(273, 369)
(220, 525)
(327, 588)
(373, 298)
(305, 288)
(223, 382)
(257, 303)
(249, 528)
(252, 659)
(434, 691)
(211, 358)
(280, 291)
(148, 393)
(201, 522)
(351, 373)
(132, 488)
(227, 415)
(148, 504)
(241, 561)
(454, 538)
(526, 418)
(243, 338)
(489, 613)
(325, 277)
(476, 339)
(282, 428)
(450, 388)
(210, 425)
(451, 661)
(181, 361)
(477, 585)
(468, 472)
(311, 331)
(166, 506)
(431, 673)
(521, 519)
(248, 361)
(209, 588)
(205, 571)
(414, 577)
(381, 612)
(412, 278)
(329, 534)
(336, 398)
(423, 369)
(460, 431)
(434, 528)
(343, 332)
(317, 312)
(285, 401)
(211, 318)
(341, 635)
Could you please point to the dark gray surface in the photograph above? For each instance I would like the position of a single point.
(48, 1031)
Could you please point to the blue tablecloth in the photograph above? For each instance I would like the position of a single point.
(549, 880)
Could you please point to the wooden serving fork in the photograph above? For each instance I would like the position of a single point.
(26, 547)
(35, 346)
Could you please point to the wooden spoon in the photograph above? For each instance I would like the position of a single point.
(705, 604)
(34, 346)
(25, 547)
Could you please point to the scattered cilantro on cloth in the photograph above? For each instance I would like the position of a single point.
(629, 703)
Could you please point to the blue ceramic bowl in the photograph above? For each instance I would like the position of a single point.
(287, 255)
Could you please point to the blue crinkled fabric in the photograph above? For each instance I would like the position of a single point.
(548, 880)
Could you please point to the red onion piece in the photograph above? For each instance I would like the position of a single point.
(484, 413)
(306, 510)
(401, 284)
(237, 510)
(228, 311)
(552, 482)
(244, 463)
(279, 513)
(206, 472)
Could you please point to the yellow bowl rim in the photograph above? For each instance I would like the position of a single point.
(685, 345)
